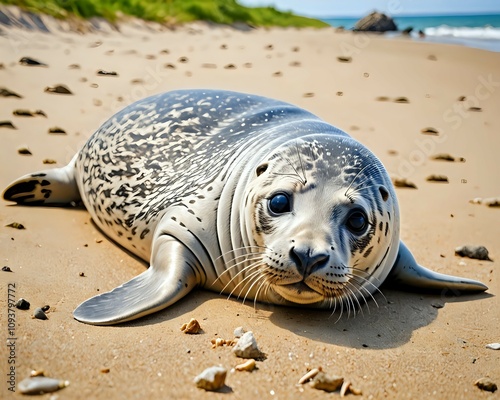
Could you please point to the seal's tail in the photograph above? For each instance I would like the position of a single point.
(52, 186)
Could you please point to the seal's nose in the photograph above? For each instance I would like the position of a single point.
(307, 259)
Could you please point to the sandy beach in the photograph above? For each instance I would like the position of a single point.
(406, 100)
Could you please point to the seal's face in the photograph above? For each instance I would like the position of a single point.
(324, 215)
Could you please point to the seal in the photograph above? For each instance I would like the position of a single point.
(240, 194)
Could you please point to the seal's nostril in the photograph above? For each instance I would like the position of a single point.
(307, 260)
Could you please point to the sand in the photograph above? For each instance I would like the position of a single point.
(412, 345)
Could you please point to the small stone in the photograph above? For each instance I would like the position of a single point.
(192, 327)
(230, 66)
(437, 178)
(40, 314)
(82, 274)
(169, 66)
(4, 92)
(183, 60)
(105, 370)
(327, 383)
(57, 131)
(45, 308)
(211, 379)
(23, 304)
(308, 94)
(6, 269)
(403, 183)
(493, 346)
(49, 161)
(475, 252)
(382, 98)
(16, 225)
(7, 124)
(41, 385)
(401, 100)
(238, 332)
(490, 202)
(246, 347)
(437, 305)
(106, 73)
(430, 131)
(31, 62)
(344, 59)
(60, 89)
(486, 384)
(24, 151)
(475, 109)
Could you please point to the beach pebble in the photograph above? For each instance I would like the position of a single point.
(6, 269)
(28, 113)
(61, 89)
(169, 66)
(246, 347)
(246, 366)
(486, 384)
(40, 385)
(16, 225)
(493, 346)
(475, 109)
(490, 202)
(107, 73)
(49, 161)
(476, 252)
(57, 131)
(327, 383)
(24, 151)
(429, 131)
(74, 66)
(230, 66)
(40, 314)
(437, 178)
(212, 378)
(344, 59)
(447, 157)
(308, 94)
(192, 327)
(239, 332)
(7, 124)
(31, 62)
(183, 60)
(401, 100)
(4, 92)
(23, 304)
(403, 183)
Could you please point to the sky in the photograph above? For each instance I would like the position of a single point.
(358, 8)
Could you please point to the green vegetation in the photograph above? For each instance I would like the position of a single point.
(168, 11)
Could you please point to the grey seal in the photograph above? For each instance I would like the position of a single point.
(239, 194)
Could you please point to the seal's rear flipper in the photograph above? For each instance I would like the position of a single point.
(171, 276)
(407, 272)
(51, 186)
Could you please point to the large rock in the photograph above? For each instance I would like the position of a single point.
(376, 22)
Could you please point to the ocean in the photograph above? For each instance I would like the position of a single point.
(479, 31)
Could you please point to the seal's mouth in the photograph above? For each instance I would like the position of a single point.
(298, 293)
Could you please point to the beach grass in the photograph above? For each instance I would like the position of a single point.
(168, 11)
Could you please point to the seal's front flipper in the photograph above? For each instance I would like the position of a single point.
(173, 274)
(51, 186)
(407, 272)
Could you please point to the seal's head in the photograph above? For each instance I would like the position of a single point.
(325, 217)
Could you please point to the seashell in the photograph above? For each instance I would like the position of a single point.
(246, 366)
(310, 375)
(40, 385)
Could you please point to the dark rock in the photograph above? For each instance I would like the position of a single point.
(6, 269)
(375, 22)
(476, 252)
(40, 314)
(23, 304)
(61, 89)
(31, 62)
(4, 92)
(407, 31)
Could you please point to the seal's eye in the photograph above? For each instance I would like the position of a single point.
(357, 222)
(279, 203)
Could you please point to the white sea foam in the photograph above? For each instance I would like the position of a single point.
(487, 32)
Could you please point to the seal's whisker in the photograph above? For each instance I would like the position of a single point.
(260, 278)
(358, 289)
(248, 269)
(236, 265)
(301, 164)
(247, 280)
(355, 298)
(242, 248)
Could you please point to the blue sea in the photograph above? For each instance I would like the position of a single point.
(480, 31)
